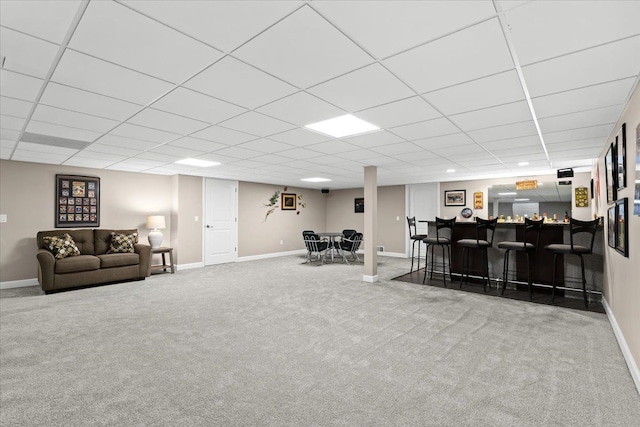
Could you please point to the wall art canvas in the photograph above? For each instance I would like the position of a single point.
(622, 227)
(455, 198)
(609, 160)
(621, 158)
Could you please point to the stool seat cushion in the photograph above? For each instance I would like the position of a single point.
(517, 246)
(437, 240)
(566, 249)
(418, 236)
(473, 243)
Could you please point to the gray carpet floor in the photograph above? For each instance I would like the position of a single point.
(279, 343)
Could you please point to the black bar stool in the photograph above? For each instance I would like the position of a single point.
(528, 245)
(576, 227)
(416, 238)
(482, 225)
(442, 239)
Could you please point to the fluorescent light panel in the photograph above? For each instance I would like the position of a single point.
(197, 162)
(315, 179)
(342, 126)
(507, 194)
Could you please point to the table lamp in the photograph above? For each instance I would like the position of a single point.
(155, 223)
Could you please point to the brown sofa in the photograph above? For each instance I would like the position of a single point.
(94, 265)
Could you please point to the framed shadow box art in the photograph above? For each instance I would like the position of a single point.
(621, 158)
(77, 201)
(288, 202)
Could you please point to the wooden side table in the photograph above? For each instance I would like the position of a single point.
(163, 251)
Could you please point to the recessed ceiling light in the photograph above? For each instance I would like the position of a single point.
(451, 170)
(507, 194)
(523, 164)
(315, 179)
(197, 162)
(342, 126)
(520, 200)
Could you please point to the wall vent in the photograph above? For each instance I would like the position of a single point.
(380, 248)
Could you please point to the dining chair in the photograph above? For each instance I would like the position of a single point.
(415, 238)
(528, 245)
(314, 244)
(351, 245)
(444, 234)
(483, 227)
(576, 227)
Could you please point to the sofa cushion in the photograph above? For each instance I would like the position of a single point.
(83, 239)
(76, 264)
(103, 238)
(122, 243)
(118, 260)
(61, 246)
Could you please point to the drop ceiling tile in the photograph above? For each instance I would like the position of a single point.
(82, 162)
(168, 54)
(5, 153)
(601, 131)
(300, 154)
(61, 131)
(91, 74)
(62, 117)
(577, 146)
(333, 147)
(177, 152)
(598, 116)
(418, 157)
(38, 157)
(587, 98)
(238, 153)
(409, 22)
(239, 83)
(26, 54)
(197, 144)
(223, 135)
(216, 23)
(86, 102)
(11, 123)
(398, 113)
(448, 151)
(364, 88)
(129, 167)
(301, 109)
(497, 133)
(159, 157)
(503, 151)
(373, 139)
(398, 148)
(493, 116)
(513, 143)
(9, 135)
(168, 122)
(604, 64)
(265, 145)
(19, 86)
(6, 144)
(143, 133)
(502, 88)
(201, 107)
(271, 159)
(257, 124)
(426, 129)
(453, 140)
(300, 137)
(14, 107)
(104, 152)
(110, 143)
(303, 49)
(569, 26)
(468, 54)
(45, 19)
(48, 149)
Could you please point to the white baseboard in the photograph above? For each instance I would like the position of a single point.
(626, 352)
(393, 254)
(370, 279)
(271, 255)
(189, 266)
(19, 283)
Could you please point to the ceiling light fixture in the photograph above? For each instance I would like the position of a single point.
(450, 170)
(315, 179)
(523, 164)
(520, 200)
(507, 194)
(197, 162)
(342, 126)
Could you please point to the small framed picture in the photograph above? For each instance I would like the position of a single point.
(288, 202)
(621, 158)
(609, 160)
(358, 205)
(622, 226)
(455, 197)
(611, 226)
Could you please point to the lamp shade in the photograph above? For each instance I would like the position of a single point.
(155, 222)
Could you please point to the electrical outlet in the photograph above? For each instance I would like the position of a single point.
(3, 217)
(196, 219)
(281, 242)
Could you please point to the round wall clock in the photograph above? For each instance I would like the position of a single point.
(466, 213)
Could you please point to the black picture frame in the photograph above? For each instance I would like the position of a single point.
(622, 226)
(611, 226)
(455, 198)
(621, 158)
(77, 201)
(609, 161)
(358, 205)
(288, 202)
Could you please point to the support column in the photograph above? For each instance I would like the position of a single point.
(370, 224)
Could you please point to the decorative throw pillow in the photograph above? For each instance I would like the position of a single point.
(122, 243)
(61, 246)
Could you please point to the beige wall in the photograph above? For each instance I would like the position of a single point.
(186, 232)
(621, 287)
(28, 199)
(391, 215)
(257, 236)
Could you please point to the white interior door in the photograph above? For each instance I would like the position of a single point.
(220, 241)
